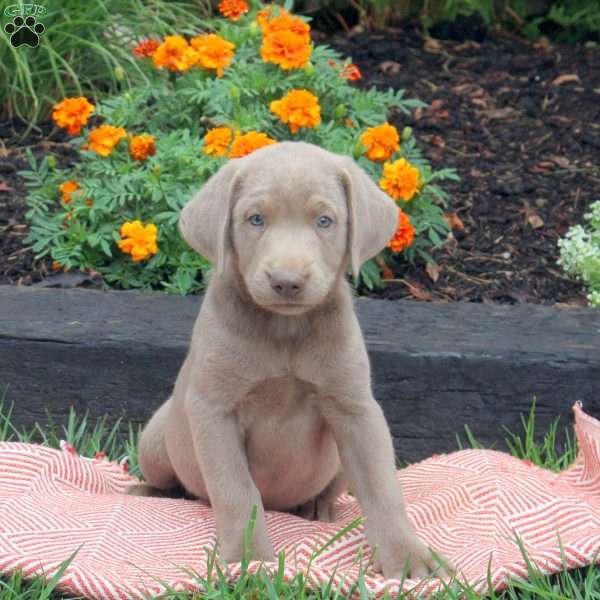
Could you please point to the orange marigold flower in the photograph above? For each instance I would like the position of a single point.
(286, 49)
(56, 266)
(175, 54)
(142, 146)
(66, 189)
(233, 9)
(298, 108)
(244, 144)
(351, 72)
(286, 39)
(72, 114)
(213, 52)
(381, 142)
(146, 48)
(138, 240)
(103, 139)
(404, 235)
(216, 141)
(400, 179)
(285, 22)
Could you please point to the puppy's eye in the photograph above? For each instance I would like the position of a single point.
(324, 221)
(256, 220)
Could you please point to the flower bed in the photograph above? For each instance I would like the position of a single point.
(258, 79)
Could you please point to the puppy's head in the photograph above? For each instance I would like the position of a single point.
(293, 216)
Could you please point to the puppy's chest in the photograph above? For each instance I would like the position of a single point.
(278, 399)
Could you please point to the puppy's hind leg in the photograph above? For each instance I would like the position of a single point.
(321, 508)
(153, 458)
(326, 499)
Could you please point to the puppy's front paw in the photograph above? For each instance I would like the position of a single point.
(413, 559)
(267, 556)
(260, 550)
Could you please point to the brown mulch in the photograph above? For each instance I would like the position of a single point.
(521, 125)
(17, 264)
(519, 122)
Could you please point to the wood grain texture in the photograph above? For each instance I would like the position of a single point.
(435, 367)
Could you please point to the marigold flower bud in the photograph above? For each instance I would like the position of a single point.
(358, 149)
(309, 69)
(234, 92)
(51, 161)
(119, 73)
(407, 133)
(340, 111)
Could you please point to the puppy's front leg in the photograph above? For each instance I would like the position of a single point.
(219, 451)
(367, 456)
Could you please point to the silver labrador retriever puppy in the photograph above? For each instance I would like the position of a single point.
(273, 405)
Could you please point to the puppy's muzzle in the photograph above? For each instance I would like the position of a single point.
(286, 283)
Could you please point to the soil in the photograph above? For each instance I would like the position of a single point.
(520, 122)
(17, 263)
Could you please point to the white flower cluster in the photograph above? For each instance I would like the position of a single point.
(594, 298)
(580, 253)
(575, 248)
(594, 217)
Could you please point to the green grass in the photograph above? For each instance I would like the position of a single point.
(88, 438)
(82, 45)
(547, 453)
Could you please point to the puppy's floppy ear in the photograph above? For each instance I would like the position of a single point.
(204, 222)
(372, 215)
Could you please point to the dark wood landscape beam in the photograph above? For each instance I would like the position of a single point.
(435, 367)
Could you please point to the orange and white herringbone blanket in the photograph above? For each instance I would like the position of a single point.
(469, 505)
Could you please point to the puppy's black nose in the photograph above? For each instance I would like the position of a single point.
(287, 283)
